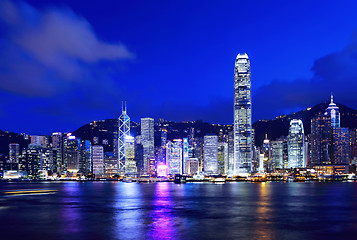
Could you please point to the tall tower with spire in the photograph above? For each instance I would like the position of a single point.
(124, 131)
(242, 116)
(334, 112)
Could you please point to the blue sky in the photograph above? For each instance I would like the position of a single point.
(66, 63)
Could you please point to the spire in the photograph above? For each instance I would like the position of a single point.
(123, 106)
(331, 97)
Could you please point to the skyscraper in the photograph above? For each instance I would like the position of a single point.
(277, 154)
(124, 131)
(174, 156)
(147, 139)
(39, 140)
(130, 163)
(57, 147)
(341, 147)
(222, 157)
(321, 140)
(30, 160)
(71, 153)
(185, 153)
(14, 153)
(210, 152)
(230, 152)
(98, 160)
(242, 116)
(296, 144)
(334, 112)
(85, 161)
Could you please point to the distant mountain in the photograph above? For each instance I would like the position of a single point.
(9, 137)
(106, 130)
(280, 125)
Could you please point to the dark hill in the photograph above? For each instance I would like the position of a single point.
(9, 137)
(280, 126)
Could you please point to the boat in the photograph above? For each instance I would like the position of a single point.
(258, 179)
(179, 178)
(218, 180)
(300, 179)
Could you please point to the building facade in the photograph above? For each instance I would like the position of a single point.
(296, 145)
(123, 132)
(174, 156)
(147, 140)
(210, 153)
(242, 116)
(98, 160)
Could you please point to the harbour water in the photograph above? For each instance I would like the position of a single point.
(117, 210)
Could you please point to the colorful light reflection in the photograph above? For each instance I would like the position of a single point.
(163, 225)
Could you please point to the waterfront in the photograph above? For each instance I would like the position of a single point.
(117, 210)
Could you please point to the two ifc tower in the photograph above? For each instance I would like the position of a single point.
(242, 121)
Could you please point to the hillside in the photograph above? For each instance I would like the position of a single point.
(280, 126)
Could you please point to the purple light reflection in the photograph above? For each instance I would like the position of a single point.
(163, 220)
(70, 213)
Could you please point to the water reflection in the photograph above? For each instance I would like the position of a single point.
(264, 228)
(163, 225)
(128, 212)
(70, 213)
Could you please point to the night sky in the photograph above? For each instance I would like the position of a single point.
(66, 63)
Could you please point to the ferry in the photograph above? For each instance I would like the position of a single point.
(258, 179)
(218, 180)
(179, 178)
(300, 179)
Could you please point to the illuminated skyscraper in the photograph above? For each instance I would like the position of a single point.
(341, 147)
(321, 140)
(242, 116)
(57, 147)
(222, 157)
(266, 150)
(147, 139)
(162, 150)
(85, 161)
(130, 163)
(210, 152)
(71, 153)
(185, 153)
(174, 156)
(124, 131)
(334, 112)
(14, 153)
(39, 140)
(296, 144)
(30, 160)
(230, 153)
(277, 154)
(191, 166)
(98, 160)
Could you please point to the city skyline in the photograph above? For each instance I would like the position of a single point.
(178, 119)
(63, 85)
